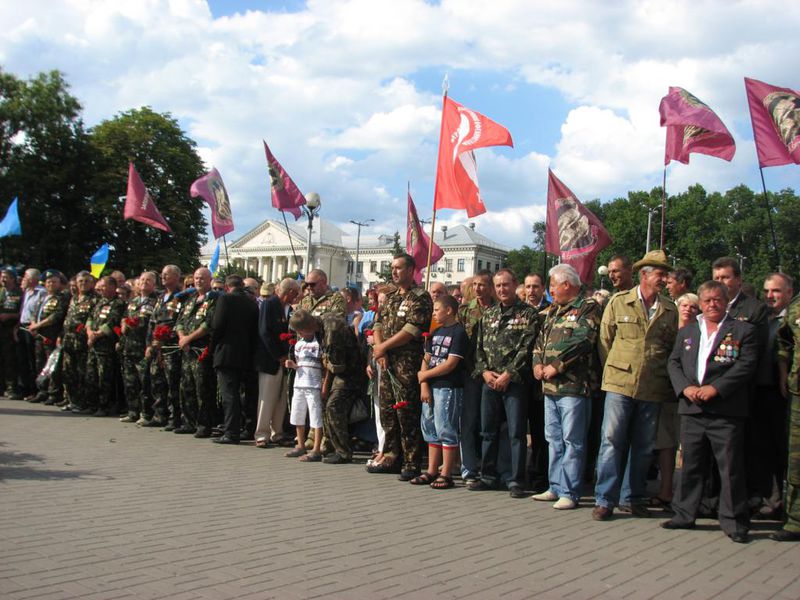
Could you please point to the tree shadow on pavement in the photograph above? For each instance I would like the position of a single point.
(23, 465)
(35, 412)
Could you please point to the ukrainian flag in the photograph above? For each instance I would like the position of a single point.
(213, 266)
(99, 260)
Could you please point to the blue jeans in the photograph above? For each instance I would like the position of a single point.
(493, 403)
(627, 423)
(471, 428)
(440, 422)
(566, 423)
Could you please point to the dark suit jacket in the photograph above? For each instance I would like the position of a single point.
(233, 331)
(730, 378)
(272, 322)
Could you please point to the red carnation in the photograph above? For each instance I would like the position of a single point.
(401, 404)
(79, 328)
(163, 333)
(132, 322)
(285, 337)
(118, 330)
(292, 341)
(426, 334)
(368, 332)
(47, 341)
(203, 355)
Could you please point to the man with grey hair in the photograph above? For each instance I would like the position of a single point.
(636, 336)
(33, 294)
(270, 355)
(562, 362)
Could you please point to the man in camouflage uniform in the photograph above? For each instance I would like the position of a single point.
(75, 351)
(562, 362)
(163, 356)
(47, 329)
(10, 304)
(198, 382)
(469, 315)
(789, 369)
(102, 333)
(506, 334)
(343, 384)
(135, 372)
(398, 350)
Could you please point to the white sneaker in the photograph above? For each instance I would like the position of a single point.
(547, 496)
(565, 504)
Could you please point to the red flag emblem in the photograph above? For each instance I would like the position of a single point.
(211, 189)
(775, 113)
(286, 195)
(138, 204)
(418, 242)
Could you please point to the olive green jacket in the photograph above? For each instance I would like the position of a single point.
(634, 351)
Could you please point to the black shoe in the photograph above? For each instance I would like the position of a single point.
(170, 427)
(49, 402)
(226, 440)
(740, 537)
(408, 474)
(676, 525)
(336, 459)
(184, 430)
(37, 399)
(152, 423)
(100, 412)
(516, 491)
(479, 485)
(247, 435)
(782, 535)
(384, 468)
(202, 433)
(640, 510)
(14, 396)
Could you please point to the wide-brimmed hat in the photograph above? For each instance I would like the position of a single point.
(654, 258)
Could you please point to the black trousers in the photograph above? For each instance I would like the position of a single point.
(767, 443)
(724, 437)
(230, 381)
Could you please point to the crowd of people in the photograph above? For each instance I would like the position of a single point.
(506, 385)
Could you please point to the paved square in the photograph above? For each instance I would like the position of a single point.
(92, 508)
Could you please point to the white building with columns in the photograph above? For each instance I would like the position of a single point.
(271, 250)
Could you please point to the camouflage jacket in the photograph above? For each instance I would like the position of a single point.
(106, 316)
(789, 344)
(505, 337)
(567, 342)
(469, 315)
(342, 355)
(410, 312)
(79, 311)
(329, 302)
(137, 313)
(165, 312)
(197, 313)
(51, 316)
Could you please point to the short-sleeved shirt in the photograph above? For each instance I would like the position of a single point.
(445, 342)
(308, 356)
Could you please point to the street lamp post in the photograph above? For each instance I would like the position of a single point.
(650, 213)
(311, 208)
(359, 224)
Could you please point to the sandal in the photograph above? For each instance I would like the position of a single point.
(658, 502)
(311, 457)
(442, 482)
(262, 443)
(423, 479)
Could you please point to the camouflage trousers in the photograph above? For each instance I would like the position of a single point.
(336, 420)
(100, 370)
(198, 393)
(402, 425)
(165, 379)
(793, 471)
(73, 374)
(42, 352)
(136, 380)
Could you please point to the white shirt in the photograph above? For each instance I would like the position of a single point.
(648, 312)
(707, 343)
(309, 364)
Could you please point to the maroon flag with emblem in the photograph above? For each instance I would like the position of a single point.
(775, 113)
(693, 127)
(286, 195)
(211, 189)
(418, 242)
(574, 233)
(138, 204)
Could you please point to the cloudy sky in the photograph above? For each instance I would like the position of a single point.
(348, 92)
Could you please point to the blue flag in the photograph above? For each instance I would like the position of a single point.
(10, 224)
(213, 266)
(99, 260)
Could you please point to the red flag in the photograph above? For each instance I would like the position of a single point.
(285, 194)
(775, 113)
(693, 127)
(211, 189)
(463, 130)
(418, 242)
(573, 231)
(138, 204)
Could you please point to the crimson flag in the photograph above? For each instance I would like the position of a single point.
(418, 242)
(775, 113)
(138, 204)
(285, 194)
(573, 232)
(211, 189)
(692, 127)
(463, 130)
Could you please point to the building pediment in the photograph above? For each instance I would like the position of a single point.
(267, 234)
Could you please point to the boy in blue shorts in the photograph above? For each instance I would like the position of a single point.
(441, 380)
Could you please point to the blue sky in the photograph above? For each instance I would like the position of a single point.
(348, 92)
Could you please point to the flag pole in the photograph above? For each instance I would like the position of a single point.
(445, 87)
(227, 258)
(291, 244)
(771, 224)
(663, 205)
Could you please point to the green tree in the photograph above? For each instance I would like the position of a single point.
(385, 274)
(168, 163)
